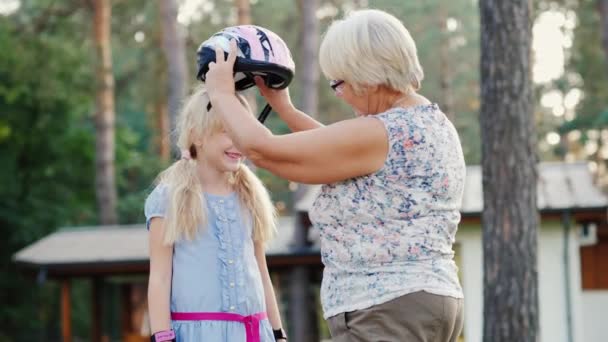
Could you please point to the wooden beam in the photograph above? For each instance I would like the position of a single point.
(66, 311)
(291, 261)
(96, 308)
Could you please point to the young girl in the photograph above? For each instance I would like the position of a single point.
(209, 217)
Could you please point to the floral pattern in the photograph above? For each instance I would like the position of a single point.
(391, 233)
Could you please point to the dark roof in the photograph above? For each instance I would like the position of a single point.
(107, 249)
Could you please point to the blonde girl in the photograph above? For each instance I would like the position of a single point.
(209, 217)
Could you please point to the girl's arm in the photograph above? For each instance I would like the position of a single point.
(159, 284)
(272, 308)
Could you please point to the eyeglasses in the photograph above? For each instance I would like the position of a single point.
(334, 84)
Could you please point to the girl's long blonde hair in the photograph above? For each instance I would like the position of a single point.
(187, 207)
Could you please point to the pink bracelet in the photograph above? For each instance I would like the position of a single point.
(165, 335)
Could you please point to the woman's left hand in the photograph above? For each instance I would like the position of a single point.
(220, 77)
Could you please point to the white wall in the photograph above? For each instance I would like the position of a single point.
(552, 302)
(595, 315)
(471, 269)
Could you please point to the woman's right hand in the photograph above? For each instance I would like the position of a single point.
(278, 99)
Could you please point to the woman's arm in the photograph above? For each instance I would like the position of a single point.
(340, 151)
(328, 154)
(159, 284)
(280, 101)
(272, 309)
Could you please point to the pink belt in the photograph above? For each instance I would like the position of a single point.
(251, 322)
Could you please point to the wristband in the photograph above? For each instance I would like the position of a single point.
(279, 334)
(162, 336)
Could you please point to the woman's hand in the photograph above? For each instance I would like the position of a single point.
(278, 99)
(220, 77)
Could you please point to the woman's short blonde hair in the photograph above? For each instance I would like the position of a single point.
(371, 47)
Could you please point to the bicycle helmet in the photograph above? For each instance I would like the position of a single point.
(260, 52)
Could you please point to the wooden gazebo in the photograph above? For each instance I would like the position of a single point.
(566, 193)
(121, 252)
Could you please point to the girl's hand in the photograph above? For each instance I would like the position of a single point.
(279, 100)
(220, 77)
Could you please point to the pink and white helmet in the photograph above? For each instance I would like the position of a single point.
(261, 52)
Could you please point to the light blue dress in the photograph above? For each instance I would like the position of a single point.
(216, 272)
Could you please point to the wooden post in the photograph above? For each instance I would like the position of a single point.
(127, 310)
(66, 312)
(302, 326)
(96, 309)
(275, 277)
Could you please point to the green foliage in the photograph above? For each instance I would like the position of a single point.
(47, 158)
(47, 134)
(586, 69)
(589, 61)
(47, 148)
(47, 102)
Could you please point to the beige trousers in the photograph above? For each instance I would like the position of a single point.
(415, 317)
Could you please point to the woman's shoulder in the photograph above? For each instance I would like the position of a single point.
(413, 117)
(430, 107)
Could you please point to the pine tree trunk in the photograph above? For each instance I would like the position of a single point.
(309, 61)
(160, 108)
(173, 42)
(161, 124)
(301, 298)
(105, 184)
(602, 6)
(243, 10)
(510, 217)
(445, 72)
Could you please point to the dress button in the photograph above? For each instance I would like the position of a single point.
(232, 308)
(222, 201)
(231, 261)
(231, 284)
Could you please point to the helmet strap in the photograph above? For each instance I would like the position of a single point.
(264, 114)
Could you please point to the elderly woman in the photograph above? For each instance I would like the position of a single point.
(393, 181)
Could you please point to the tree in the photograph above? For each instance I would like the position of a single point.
(160, 113)
(302, 308)
(46, 150)
(510, 217)
(602, 7)
(243, 10)
(105, 183)
(175, 54)
(309, 39)
(447, 102)
(586, 71)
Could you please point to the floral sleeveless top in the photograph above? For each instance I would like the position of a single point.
(390, 233)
